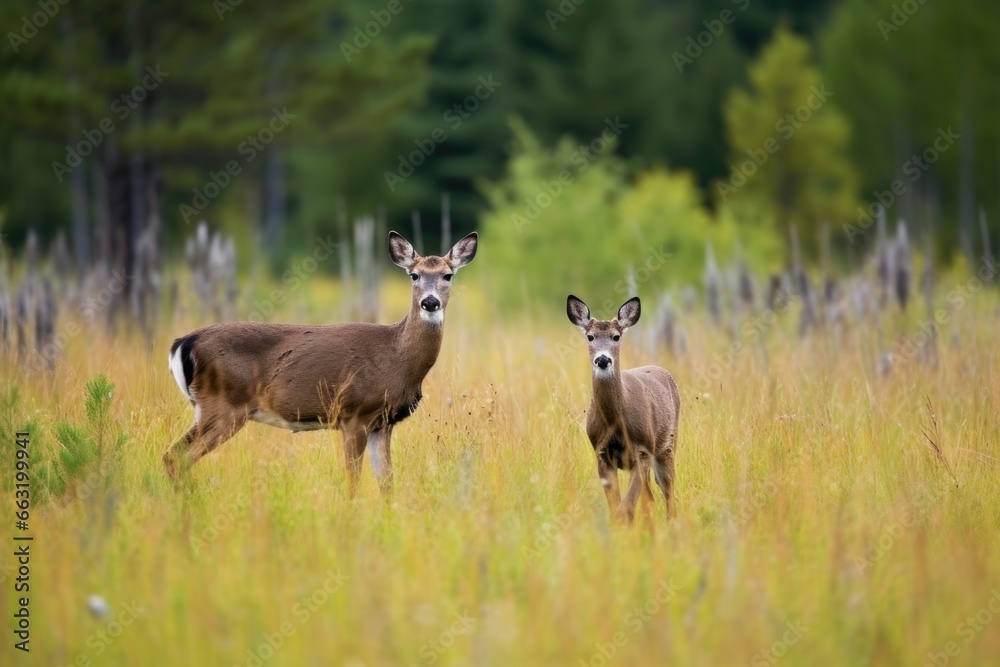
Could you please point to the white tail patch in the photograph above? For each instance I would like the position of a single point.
(177, 368)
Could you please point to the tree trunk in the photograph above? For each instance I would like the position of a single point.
(966, 187)
(274, 195)
(118, 185)
(81, 219)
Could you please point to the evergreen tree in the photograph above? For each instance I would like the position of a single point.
(788, 142)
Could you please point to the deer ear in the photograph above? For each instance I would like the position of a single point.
(629, 313)
(401, 252)
(577, 311)
(462, 252)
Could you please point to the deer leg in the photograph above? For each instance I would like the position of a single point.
(609, 482)
(381, 458)
(647, 501)
(206, 435)
(663, 470)
(174, 456)
(626, 510)
(355, 441)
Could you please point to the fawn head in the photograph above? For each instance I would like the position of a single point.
(431, 275)
(603, 336)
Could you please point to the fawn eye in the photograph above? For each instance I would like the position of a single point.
(414, 277)
(616, 337)
(448, 276)
(590, 337)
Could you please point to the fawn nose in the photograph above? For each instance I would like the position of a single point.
(602, 361)
(430, 304)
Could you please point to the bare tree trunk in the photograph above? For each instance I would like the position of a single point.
(966, 185)
(119, 209)
(81, 218)
(901, 139)
(78, 177)
(987, 246)
(418, 234)
(274, 195)
(445, 224)
(103, 218)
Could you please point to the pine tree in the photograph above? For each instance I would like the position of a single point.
(787, 142)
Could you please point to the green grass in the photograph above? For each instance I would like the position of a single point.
(815, 523)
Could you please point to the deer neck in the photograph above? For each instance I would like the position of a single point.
(609, 396)
(419, 343)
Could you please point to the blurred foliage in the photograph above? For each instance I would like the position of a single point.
(566, 219)
(224, 69)
(904, 72)
(788, 141)
(370, 87)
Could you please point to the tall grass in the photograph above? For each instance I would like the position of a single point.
(815, 523)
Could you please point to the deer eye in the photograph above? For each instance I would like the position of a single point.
(414, 277)
(448, 276)
(590, 337)
(616, 337)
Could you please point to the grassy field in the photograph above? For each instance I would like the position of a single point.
(816, 524)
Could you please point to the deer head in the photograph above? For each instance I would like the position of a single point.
(603, 336)
(431, 275)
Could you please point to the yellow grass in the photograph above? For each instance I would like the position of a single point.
(815, 525)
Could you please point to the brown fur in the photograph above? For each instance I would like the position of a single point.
(359, 378)
(633, 417)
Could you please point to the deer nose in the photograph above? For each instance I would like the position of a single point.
(430, 304)
(602, 361)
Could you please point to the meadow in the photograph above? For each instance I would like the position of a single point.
(826, 513)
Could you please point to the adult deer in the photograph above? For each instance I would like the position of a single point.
(360, 378)
(632, 421)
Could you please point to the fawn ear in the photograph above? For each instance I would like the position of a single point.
(628, 314)
(401, 252)
(462, 252)
(577, 311)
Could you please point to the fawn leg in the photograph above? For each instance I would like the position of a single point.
(609, 482)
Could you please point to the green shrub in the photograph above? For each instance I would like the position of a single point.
(88, 453)
(564, 220)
